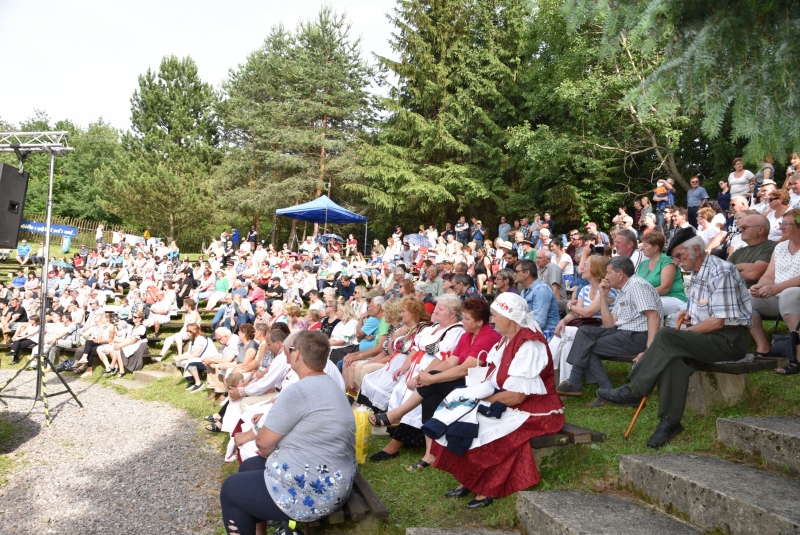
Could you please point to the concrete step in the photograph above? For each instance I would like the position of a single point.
(776, 439)
(573, 512)
(456, 531)
(148, 376)
(129, 384)
(714, 494)
(170, 368)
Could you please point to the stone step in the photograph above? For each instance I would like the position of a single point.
(456, 531)
(148, 376)
(129, 384)
(776, 438)
(573, 512)
(170, 368)
(714, 494)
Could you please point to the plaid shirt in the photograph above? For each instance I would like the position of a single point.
(718, 291)
(633, 300)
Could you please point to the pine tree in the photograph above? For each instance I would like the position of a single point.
(293, 113)
(173, 150)
(443, 148)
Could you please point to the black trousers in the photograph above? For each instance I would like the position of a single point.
(19, 345)
(245, 500)
(90, 350)
(433, 395)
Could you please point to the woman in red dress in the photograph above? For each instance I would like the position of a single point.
(499, 461)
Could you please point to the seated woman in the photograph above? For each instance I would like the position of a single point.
(585, 310)
(128, 351)
(200, 348)
(660, 271)
(191, 316)
(343, 339)
(24, 338)
(434, 342)
(431, 386)
(371, 356)
(520, 387)
(776, 292)
(288, 442)
(296, 320)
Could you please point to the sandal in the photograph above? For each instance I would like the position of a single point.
(381, 420)
(419, 465)
(760, 355)
(214, 428)
(211, 419)
(791, 369)
(123, 374)
(383, 456)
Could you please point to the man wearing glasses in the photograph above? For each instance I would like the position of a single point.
(724, 238)
(715, 329)
(537, 295)
(696, 198)
(752, 261)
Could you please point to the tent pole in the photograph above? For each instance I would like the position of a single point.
(366, 225)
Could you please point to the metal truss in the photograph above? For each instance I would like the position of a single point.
(34, 142)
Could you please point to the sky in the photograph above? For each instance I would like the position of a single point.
(80, 59)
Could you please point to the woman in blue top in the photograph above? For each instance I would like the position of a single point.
(306, 462)
(660, 271)
(586, 308)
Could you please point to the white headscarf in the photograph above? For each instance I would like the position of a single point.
(514, 307)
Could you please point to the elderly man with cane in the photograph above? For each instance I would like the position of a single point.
(719, 316)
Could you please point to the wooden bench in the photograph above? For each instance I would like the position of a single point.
(718, 385)
(364, 513)
(544, 446)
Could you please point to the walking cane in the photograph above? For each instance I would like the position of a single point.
(644, 398)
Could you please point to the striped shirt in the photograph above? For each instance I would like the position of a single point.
(717, 290)
(633, 300)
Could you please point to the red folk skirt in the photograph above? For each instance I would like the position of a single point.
(503, 466)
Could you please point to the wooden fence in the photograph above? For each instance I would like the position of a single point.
(88, 227)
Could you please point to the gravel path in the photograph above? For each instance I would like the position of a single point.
(118, 465)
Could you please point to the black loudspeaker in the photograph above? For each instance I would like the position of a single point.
(13, 187)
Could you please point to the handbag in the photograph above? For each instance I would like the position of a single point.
(785, 345)
(580, 322)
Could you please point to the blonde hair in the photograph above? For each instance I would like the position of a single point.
(391, 309)
(348, 313)
(233, 379)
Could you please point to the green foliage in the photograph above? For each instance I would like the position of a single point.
(172, 152)
(737, 57)
(293, 114)
(78, 190)
(443, 147)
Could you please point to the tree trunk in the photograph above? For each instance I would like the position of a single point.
(293, 234)
(171, 227)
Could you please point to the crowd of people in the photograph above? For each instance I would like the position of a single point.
(462, 342)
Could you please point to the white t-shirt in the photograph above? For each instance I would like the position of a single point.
(741, 185)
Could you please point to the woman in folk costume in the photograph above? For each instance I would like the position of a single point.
(482, 432)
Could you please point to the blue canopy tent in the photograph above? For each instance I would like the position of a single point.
(323, 210)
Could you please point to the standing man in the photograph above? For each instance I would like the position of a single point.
(696, 198)
(462, 231)
(537, 295)
(252, 237)
(477, 232)
(719, 315)
(503, 229)
(448, 231)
